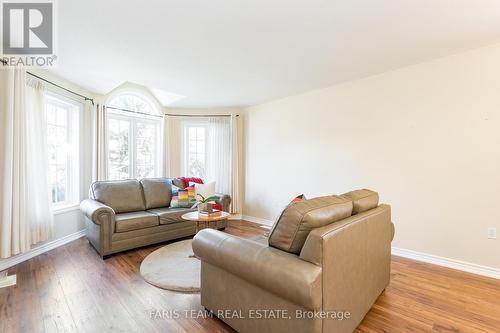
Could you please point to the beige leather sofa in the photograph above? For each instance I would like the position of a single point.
(326, 262)
(122, 215)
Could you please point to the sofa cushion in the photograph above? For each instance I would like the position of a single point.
(170, 215)
(362, 200)
(121, 195)
(298, 219)
(157, 192)
(135, 220)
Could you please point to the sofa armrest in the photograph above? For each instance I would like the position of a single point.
(279, 272)
(96, 211)
(224, 200)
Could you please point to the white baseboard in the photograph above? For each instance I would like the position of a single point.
(8, 281)
(446, 262)
(235, 217)
(12, 261)
(257, 220)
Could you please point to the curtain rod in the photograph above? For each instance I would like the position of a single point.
(199, 115)
(138, 112)
(61, 87)
(4, 62)
(170, 114)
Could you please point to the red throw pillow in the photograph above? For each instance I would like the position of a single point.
(185, 180)
(298, 198)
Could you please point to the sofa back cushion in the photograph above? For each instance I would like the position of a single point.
(362, 200)
(121, 195)
(157, 192)
(298, 219)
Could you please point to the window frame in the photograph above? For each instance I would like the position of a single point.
(186, 125)
(132, 143)
(74, 110)
(146, 101)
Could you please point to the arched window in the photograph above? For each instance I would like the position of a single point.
(133, 142)
(132, 102)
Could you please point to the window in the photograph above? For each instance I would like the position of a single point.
(133, 140)
(132, 102)
(195, 144)
(63, 149)
(118, 148)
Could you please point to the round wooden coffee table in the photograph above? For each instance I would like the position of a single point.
(203, 222)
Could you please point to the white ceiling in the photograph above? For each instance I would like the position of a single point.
(222, 53)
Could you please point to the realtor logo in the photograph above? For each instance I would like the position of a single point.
(27, 28)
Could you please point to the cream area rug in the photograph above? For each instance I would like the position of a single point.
(173, 267)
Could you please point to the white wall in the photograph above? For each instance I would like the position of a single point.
(426, 137)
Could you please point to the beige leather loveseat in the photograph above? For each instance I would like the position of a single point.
(122, 215)
(326, 262)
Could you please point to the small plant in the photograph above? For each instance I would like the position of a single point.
(205, 200)
(203, 203)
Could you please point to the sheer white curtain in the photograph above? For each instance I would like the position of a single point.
(98, 140)
(172, 159)
(25, 213)
(223, 158)
(166, 147)
(236, 205)
(218, 154)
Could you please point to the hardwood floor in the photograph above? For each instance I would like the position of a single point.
(70, 289)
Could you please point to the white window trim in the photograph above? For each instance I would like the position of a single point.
(74, 165)
(132, 142)
(186, 124)
(145, 95)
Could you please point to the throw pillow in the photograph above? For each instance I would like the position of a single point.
(180, 198)
(298, 198)
(191, 195)
(186, 180)
(177, 182)
(206, 190)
